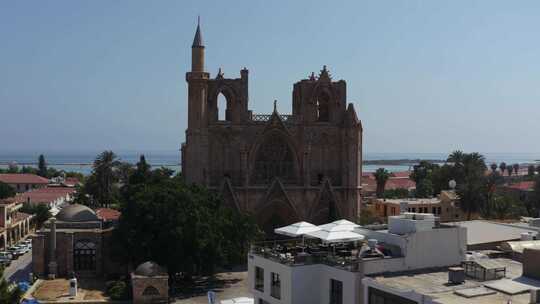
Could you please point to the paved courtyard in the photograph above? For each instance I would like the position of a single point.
(226, 285)
(58, 289)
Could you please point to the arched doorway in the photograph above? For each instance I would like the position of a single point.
(277, 213)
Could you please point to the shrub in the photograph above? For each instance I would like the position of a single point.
(117, 290)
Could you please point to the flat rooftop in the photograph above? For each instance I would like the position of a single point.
(434, 283)
(483, 232)
(424, 201)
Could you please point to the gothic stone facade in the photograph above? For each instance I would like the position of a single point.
(280, 168)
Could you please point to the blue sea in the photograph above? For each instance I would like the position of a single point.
(82, 161)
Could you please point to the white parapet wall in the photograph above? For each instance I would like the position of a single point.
(303, 283)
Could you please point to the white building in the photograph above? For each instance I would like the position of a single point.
(414, 241)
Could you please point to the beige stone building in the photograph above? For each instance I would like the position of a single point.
(445, 206)
(280, 167)
(150, 284)
(22, 182)
(14, 225)
(76, 242)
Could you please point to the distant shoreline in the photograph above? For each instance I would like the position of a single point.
(381, 162)
(400, 162)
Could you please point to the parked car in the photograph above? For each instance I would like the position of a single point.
(5, 262)
(5, 255)
(15, 251)
(20, 252)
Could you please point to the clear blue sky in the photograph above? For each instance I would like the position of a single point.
(425, 76)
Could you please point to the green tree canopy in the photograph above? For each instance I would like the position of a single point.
(381, 176)
(6, 191)
(41, 212)
(470, 190)
(8, 294)
(184, 227)
(42, 166)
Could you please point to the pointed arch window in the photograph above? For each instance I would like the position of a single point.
(323, 104)
(222, 107)
(150, 291)
(274, 159)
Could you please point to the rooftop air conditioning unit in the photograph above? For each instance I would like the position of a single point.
(456, 275)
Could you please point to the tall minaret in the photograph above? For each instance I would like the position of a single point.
(197, 50)
(197, 85)
(193, 161)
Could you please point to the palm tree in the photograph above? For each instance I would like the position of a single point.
(456, 157)
(493, 167)
(104, 166)
(502, 166)
(381, 176)
(516, 169)
(470, 191)
(509, 169)
(530, 170)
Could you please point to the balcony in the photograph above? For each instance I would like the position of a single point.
(266, 117)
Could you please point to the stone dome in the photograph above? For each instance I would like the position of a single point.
(150, 269)
(77, 213)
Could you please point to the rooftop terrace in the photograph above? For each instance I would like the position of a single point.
(346, 256)
(434, 283)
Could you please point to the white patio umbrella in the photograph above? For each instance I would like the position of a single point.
(241, 300)
(336, 234)
(297, 229)
(342, 224)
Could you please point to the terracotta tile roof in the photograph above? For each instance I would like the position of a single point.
(8, 200)
(399, 183)
(108, 214)
(71, 181)
(398, 180)
(522, 186)
(45, 195)
(23, 178)
(402, 174)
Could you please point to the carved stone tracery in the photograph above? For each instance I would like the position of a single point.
(274, 159)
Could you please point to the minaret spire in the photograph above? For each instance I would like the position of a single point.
(197, 50)
(197, 40)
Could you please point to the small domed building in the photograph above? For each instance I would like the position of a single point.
(150, 284)
(76, 242)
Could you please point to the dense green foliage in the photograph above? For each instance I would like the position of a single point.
(533, 201)
(183, 227)
(41, 212)
(381, 176)
(477, 190)
(118, 290)
(396, 193)
(101, 188)
(8, 294)
(6, 191)
(531, 170)
(42, 166)
(423, 177)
